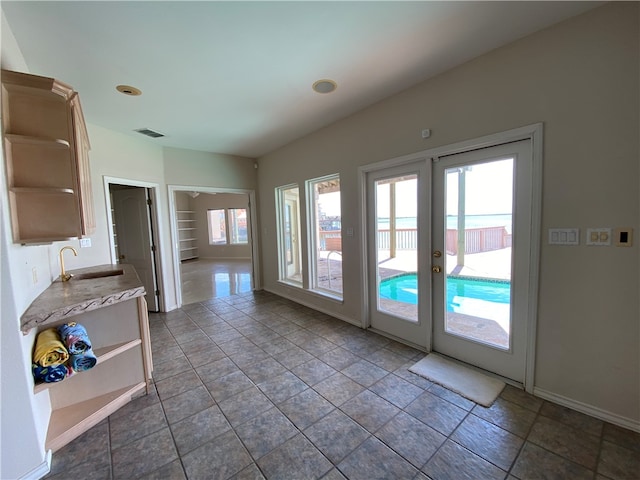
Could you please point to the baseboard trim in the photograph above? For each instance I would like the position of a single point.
(596, 412)
(315, 307)
(41, 470)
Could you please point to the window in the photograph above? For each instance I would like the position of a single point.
(288, 214)
(325, 234)
(238, 226)
(217, 227)
(228, 226)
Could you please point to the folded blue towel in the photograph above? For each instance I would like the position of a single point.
(75, 338)
(50, 374)
(83, 361)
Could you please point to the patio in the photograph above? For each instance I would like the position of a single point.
(495, 264)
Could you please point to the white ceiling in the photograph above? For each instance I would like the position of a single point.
(235, 77)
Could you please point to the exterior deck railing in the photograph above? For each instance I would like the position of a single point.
(477, 240)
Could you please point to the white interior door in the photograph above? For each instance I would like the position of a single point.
(482, 231)
(133, 230)
(397, 233)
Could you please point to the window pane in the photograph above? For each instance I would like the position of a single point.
(217, 227)
(326, 234)
(238, 225)
(289, 254)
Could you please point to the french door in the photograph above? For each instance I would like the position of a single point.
(397, 223)
(451, 254)
(481, 248)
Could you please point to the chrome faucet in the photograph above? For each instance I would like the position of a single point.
(64, 276)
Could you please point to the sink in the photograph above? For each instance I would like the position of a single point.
(97, 274)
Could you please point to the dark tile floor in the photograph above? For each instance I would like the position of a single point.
(253, 386)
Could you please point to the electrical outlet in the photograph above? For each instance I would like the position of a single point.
(34, 275)
(85, 242)
(598, 236)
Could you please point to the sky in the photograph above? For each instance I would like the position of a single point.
(489, 190)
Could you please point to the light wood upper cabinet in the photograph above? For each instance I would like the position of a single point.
(47, 163)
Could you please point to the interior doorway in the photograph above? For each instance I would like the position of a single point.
(132, 222)
(214, 242)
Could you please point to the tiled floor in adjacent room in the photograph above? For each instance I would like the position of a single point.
(254, 386)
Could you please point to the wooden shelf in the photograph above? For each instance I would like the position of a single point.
(40, 141)
(122, 345)
(187, 227)
(46, 156)
(70, 422)
(43, 190)
(102, 354)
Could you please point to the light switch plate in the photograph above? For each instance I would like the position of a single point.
(564, 236)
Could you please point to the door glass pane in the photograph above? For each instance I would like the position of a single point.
(396, 206)
(478, 213)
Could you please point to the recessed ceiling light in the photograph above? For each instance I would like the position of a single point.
(324, 86)
(129, 90)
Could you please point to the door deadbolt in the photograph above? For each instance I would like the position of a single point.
(437, 254)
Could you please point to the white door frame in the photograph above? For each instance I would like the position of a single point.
(173, 220)
(156, 223)
(532, 132)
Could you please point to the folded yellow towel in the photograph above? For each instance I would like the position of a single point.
(49, 350)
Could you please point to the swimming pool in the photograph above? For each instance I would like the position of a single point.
(404, 288)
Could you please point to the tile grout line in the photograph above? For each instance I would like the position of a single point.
(311, 325)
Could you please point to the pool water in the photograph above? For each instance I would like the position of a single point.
(404, 288)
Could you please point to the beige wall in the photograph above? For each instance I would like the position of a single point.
(204, 169)
(580, 78)
(205, 202)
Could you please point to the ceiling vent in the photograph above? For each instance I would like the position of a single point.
(150, 133)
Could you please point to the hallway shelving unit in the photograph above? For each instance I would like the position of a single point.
(187, 229)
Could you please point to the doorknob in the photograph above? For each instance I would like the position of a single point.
(437, 254)
(121, 257)
(436, 269)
